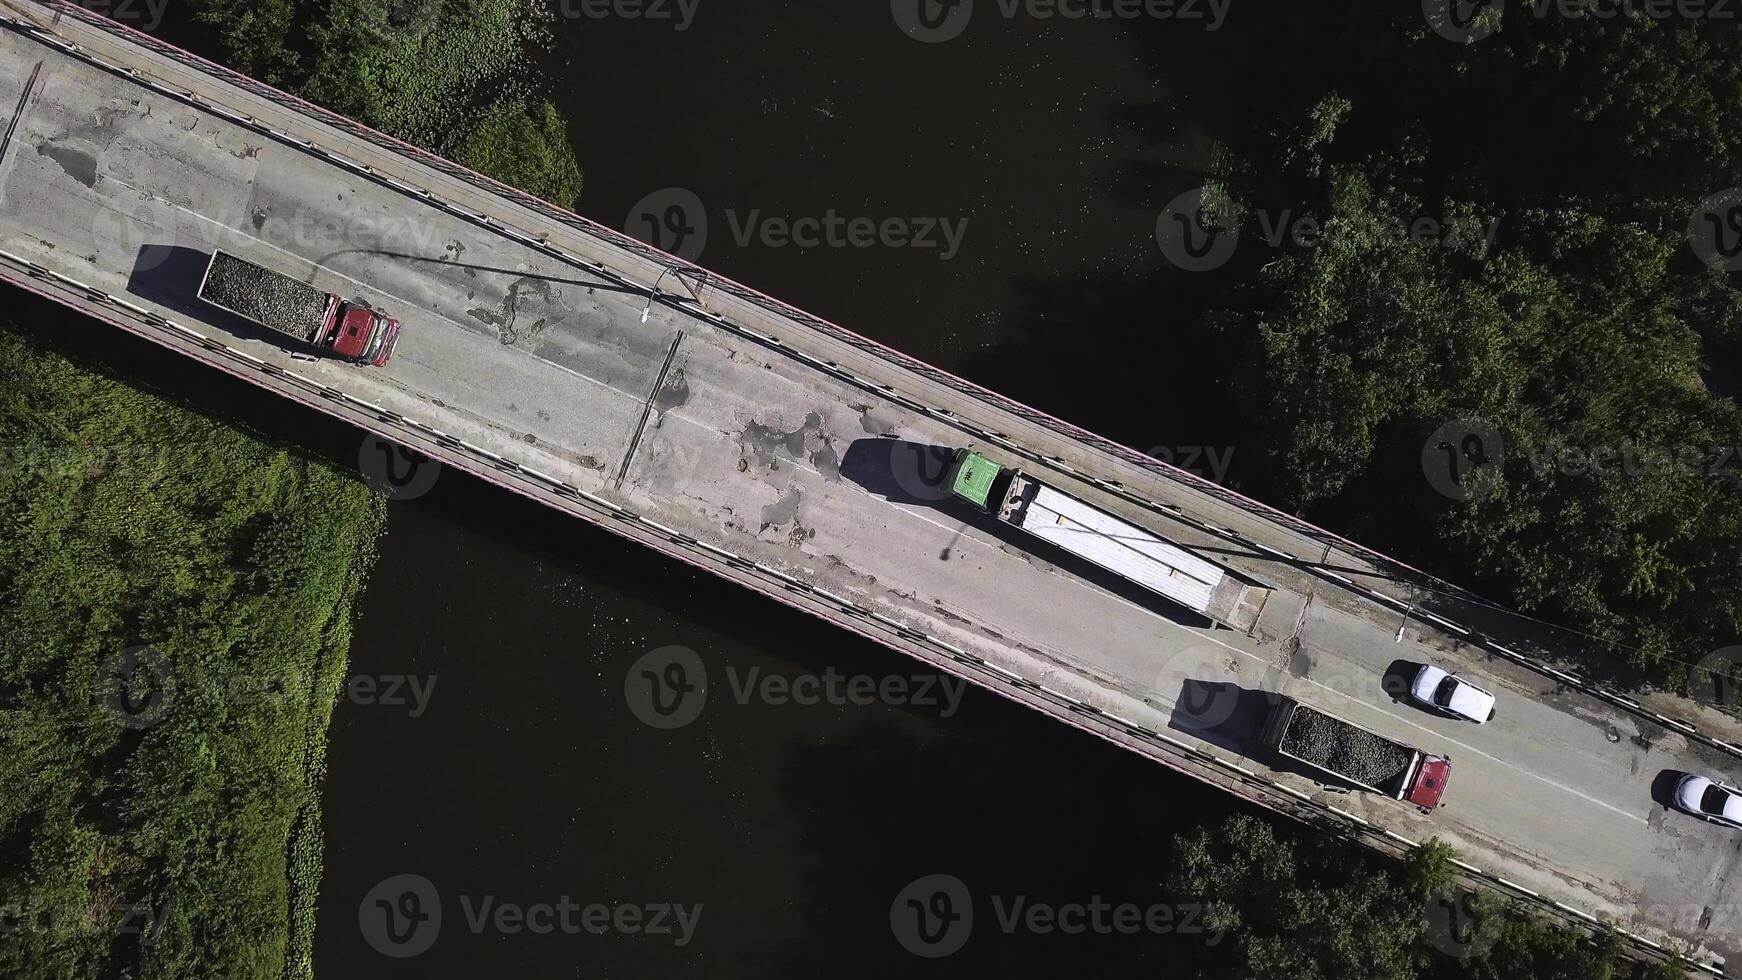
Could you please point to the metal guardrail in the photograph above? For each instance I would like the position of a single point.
(769, 304)
(1270, 793)
(1259, 789)
(1399, 570)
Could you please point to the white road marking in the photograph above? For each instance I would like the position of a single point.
(950, 529)
(960, 532)
(424, 315)
(953, 531)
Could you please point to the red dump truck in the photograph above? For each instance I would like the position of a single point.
(344, 328)
(1357, 755)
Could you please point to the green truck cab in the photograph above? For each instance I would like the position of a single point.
(973, 477)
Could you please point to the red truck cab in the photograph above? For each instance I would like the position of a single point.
(1430, 782)
(364, 336)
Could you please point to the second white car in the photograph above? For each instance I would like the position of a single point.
(1710, 800)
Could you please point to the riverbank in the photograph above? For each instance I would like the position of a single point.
(182, 590)
(560, 714)
(178, 602)
(450, 76)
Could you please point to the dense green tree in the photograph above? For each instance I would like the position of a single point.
(1503, 240)
(180, 839)
(525, 147)
(1299, 912)
(446, 75)
(1298, 907)
(190, 845)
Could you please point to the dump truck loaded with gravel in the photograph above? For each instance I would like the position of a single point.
(341, 327)
(1357, 755)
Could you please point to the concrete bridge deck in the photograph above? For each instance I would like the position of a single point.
(800, 461)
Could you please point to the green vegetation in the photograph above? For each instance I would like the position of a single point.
(446, 75)
(176, 833)
(1552, 296)
(1307, 907)
(518, 148)
(161, 562)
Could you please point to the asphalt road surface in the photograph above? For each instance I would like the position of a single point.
(746, 447)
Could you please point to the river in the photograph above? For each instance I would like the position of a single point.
(497, 755)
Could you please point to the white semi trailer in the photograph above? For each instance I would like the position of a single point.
(1113, 543)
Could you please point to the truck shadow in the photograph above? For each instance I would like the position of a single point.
(901, 471)
(1232, 717)
(1223, 714)
(170, 275)
(906, 472)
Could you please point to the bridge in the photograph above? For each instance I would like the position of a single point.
(569, 363)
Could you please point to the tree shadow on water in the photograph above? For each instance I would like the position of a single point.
(1016, 815)
(1127, 356)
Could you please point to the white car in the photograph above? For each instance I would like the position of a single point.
(1709, 800)
(1451, 694)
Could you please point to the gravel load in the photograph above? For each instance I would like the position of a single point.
(1345, 749)
(266, 297)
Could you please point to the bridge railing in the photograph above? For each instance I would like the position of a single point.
(682, 267)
